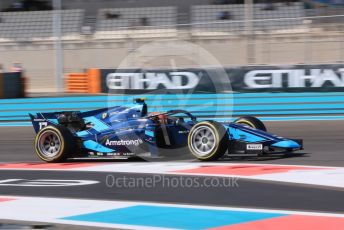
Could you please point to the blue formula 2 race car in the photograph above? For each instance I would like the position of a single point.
(129, 130)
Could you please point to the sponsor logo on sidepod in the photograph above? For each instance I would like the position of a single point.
(123, 142)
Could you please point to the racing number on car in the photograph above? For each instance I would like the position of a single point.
(42, 125)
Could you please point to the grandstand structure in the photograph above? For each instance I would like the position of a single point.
(102, 33)
(38, 25)
(206, 20)
(149, 22)
(143, 22)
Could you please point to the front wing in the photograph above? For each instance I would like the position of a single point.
(241, 147)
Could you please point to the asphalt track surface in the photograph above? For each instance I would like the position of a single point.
(242, 193)
(324, 145)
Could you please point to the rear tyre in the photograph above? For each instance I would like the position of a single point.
(54, 143)
(208, 140)
(252, 122)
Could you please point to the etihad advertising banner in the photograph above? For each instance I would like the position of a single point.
(300, 78)
(317, 3)
(183, 81)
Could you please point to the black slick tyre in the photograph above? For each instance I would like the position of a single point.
(54, 143)
(252, 122)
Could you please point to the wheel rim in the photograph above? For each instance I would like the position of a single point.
(203, 141)
(49, 144)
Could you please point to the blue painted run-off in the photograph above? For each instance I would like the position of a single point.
(173, 217)
(267, 106)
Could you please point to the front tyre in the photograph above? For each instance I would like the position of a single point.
(208, 140)
(252, 122)
(54, 143)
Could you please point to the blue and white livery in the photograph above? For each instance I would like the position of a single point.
(130, 130)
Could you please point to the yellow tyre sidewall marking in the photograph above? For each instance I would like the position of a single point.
(37, 139)
(246, 122)
(217, 140)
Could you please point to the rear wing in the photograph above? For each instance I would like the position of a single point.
(70, 119)
(39, 121)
